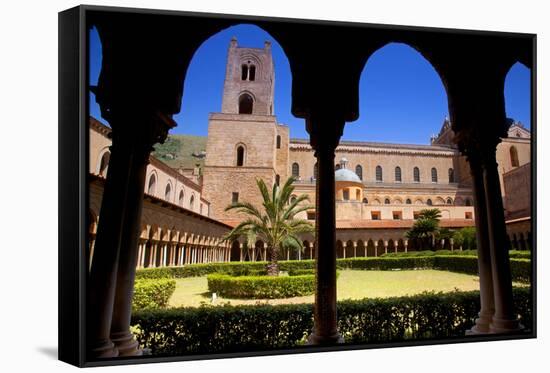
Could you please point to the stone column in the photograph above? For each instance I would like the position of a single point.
(406, 243)
(241, 252)
(101, 284)
(452, 243)
(487, 302)
(386, 247)
(325, 329)
(375, 248)
(355, 249)
(120, 328)
(504, 319)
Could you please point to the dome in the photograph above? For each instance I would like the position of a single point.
(344, 174)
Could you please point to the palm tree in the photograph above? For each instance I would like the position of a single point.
(275, 225)
(425, 227)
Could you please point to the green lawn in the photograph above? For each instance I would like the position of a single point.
(351, 285)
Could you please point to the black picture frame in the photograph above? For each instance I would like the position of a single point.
(73, 178)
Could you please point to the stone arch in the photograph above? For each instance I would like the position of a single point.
(295, 170)
(192, 202)
(371, 250)
(398, 174)
(339, 249)
(514, 160)
(379, 175)
(418, 201)
(103, 162)
(408, 201)
(235, 254)
(439, 201)
(349, 249)
(168, 191)
(416, 174)
(360, 248)
(258, 251)
(380, 249)
(359, 171)
(246, 103)
(397, 201)
(391, 246)
(434, 175)
(400, 245)
(240, 154)
(152, 183)
(449, 201)
(181, 197)
(458, 201)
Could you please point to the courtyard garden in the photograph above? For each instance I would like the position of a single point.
(247, 306)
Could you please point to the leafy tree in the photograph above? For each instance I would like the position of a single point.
(274, 223)
(426, 227)
(465, 237)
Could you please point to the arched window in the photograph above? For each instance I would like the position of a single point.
(468, 202)
(387, 201)
(346, 194)
(315, 170)
(429, 202)
(180, 198)
(434, 175)
(337, 167)
(240, 155)
(245, 104)
(408, 201)
(252, 73)
(514, 156)
(278, 142)
(451, 175)
(378, 173)
(152, 185)
(449, 201)
(359, 171)
(398, 174)
(365, 200)
(192, 202)
(292, 199)
(295, 170)
(244, 72)
(416, 175)
(167, 192)
(104, 163)
(277, 180)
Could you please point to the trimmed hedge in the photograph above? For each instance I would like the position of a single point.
(521, 268)
(152, 294)
(211, 329)
(261, 286)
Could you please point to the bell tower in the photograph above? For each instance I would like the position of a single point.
(245, 143)
(249, 80)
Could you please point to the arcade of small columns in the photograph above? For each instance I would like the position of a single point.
(472, 67)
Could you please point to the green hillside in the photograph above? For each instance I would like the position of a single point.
(182, 151)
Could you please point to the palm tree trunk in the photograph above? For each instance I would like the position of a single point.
(273, 265)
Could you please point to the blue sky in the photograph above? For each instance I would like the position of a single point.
(402, 98)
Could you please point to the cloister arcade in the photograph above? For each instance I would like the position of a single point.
(472, 68)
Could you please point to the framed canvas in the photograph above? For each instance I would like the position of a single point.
(244, 185)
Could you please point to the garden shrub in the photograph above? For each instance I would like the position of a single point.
(211, 329)
(151, 294)
(520, 254)
(261, 286)
(455, 261)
